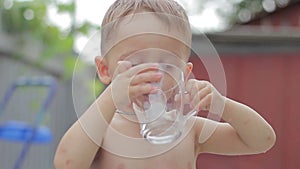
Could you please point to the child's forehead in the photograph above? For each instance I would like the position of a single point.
(150, 48)
(143, 24)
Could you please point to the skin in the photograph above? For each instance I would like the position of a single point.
(82, 145)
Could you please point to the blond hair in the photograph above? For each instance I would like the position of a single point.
(123, 8)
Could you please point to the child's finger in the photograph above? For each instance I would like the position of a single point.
(201, 95)
(138, 90)
(190, 83)
(146, 77)
(186, 98)
(205, 103)
(193, 86)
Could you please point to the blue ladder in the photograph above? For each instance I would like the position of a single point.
(19, 131)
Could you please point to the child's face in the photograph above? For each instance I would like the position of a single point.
(151, 48)
(143, 32)
(154, 45)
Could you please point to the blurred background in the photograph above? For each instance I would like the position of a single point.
(258, 42)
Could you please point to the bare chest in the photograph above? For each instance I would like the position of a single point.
(173, 159)
(123, 148)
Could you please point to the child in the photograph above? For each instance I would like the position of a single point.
(104, 139)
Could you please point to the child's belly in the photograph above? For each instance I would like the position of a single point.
(180, 156)
(169, 160)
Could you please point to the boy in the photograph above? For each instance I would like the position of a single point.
(104, 139)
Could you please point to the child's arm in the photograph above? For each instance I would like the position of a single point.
(81, 142)
(245, 132)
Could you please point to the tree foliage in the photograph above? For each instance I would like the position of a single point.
(28, 20)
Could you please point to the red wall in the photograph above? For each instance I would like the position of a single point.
(271, 85)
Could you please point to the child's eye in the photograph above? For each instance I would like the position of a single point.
(168, 67)
(134, 64)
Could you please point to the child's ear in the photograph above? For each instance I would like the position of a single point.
(102, 70)
(188, 70)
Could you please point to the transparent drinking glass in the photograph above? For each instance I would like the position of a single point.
(162, 115)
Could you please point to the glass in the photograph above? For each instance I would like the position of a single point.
(162, 115)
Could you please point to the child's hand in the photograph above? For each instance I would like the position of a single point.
(133, 82)
(202, 94)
